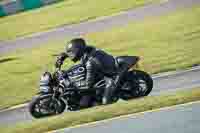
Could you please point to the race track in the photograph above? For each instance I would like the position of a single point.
(178, 119)
(163, 84)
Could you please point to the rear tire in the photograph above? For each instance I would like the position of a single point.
(140, 84)
(57, 106)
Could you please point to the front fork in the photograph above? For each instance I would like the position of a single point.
(55, 97)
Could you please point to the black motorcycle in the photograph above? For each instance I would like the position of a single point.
(61, 90)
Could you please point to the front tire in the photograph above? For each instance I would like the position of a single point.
(139, 84)
(45, 105)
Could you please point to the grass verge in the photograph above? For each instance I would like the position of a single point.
(164, 43)
(65, 12)
(104, 112)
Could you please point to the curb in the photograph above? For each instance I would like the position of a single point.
(154, 76)
(11, 7)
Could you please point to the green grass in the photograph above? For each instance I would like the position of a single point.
(65, 12)
(104, 112)
(164, 43)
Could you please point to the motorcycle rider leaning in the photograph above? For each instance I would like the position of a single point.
(98, 65)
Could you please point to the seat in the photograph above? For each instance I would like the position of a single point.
(125, 61)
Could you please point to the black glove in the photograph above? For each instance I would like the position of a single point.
(58, 63)
(60, 60)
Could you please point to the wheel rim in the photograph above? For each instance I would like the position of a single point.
(46, 106)
(138, 84)
(142, 87)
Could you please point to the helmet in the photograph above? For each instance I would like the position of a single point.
(75, 49)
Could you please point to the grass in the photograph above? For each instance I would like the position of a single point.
(62, 13)
(104, 112)
(164, 43)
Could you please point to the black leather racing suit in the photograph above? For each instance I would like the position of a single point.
(98, 66)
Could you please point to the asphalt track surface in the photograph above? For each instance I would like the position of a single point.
(178, 119)
(162, 85)
(60, 33)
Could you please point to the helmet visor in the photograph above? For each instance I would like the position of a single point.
(71, 51)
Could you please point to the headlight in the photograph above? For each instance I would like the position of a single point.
(45, 82)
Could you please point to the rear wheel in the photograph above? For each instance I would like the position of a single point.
(45, 105)
(137, 84)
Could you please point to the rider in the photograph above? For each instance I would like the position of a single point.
(98, 65)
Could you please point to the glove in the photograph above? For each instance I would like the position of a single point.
(58, 63)
(60, 60)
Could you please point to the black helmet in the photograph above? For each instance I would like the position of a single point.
(75, 49)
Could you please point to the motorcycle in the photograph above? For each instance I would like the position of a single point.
(60, 90)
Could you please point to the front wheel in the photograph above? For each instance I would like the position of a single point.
(137, 84)
(45, 105)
